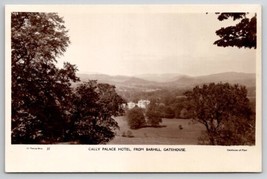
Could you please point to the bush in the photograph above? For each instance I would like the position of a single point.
(129, 134)
(123, 134)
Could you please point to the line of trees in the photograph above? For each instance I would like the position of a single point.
(171, 103)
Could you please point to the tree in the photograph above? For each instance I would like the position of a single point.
(153, 114)
(136, 118)
(225, 112)
(40, 90)
(94, 107)
(243, 34)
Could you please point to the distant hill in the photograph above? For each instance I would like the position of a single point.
(232, 77)
(247, 79)
(120, 81)
(153, 81)
(161, 78)
(103, 78)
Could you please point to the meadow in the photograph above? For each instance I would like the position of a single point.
(172, 132)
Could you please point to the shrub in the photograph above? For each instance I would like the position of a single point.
(129, 134)
(123, 134)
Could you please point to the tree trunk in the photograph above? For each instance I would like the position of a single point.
(212, 141)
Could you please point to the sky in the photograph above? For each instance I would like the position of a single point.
(151, 43)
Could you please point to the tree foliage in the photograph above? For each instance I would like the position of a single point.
(136, 118)
(225, 112)
(94, 107)
(243, 34)
(40, 90)
(45, 107)
(172, 101)
(153, 114)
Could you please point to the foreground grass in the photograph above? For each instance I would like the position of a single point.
(169, 135)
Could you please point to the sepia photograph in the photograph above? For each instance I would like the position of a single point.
(133, 76)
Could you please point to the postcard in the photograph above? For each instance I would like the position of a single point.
(133, 88)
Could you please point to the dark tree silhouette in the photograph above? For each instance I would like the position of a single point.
(243, 34)
(225, 112)
(136, 118)
(153, 114)
(40, 90)
(45, 108)
(94, 107)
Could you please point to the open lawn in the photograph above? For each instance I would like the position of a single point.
(171, 134)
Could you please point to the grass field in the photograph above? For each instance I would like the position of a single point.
(169, 135)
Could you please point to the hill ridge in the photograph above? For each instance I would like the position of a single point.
(248, 79)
